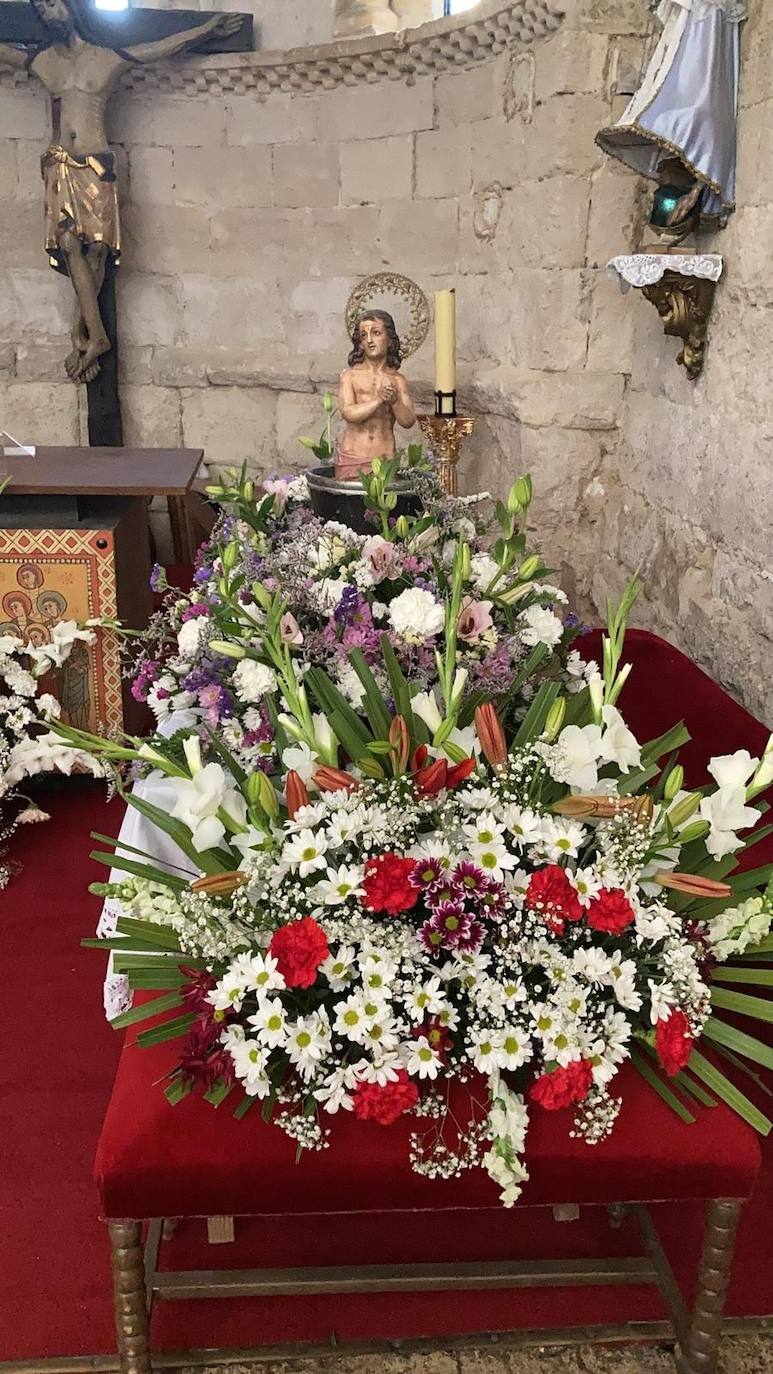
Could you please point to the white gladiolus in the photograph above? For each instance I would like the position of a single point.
(199, 801)
(732, 771)
(726, 812)
(192, 751)
(424, 705)
(618, 744)
(575, 756)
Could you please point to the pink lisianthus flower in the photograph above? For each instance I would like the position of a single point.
(289, 630)
(474, 618)
(381, 557)
(277, 487)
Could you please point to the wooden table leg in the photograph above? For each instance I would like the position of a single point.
(131, 1317)
(699, 1353)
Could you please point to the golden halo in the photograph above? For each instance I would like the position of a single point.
(413, 307)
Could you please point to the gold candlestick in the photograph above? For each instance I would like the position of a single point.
(444, 434)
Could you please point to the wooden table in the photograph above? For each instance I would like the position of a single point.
(75, 542)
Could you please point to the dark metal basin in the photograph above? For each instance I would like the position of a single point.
(334, 498)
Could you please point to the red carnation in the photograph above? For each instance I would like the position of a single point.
(673, 1042)
(387, 885)
(610, 911)
(385, 1102)
(299, 948)
(551, 894)
(561, 1087)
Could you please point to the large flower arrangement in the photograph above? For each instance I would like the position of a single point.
(509, 918)
(344, 592)
(27, 744)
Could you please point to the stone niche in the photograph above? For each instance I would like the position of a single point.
(257, 189)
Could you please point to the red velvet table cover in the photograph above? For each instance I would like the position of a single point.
(193, 1160)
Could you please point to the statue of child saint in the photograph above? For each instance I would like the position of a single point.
(372, 395)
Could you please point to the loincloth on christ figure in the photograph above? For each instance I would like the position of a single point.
(81, 196)
(350, 466)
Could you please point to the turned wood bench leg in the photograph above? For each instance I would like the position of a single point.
(131, 1316)
(699, 1352)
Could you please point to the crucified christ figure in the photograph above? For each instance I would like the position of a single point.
(80, 74)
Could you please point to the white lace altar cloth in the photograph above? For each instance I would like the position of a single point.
(162, 851)
(644, 269)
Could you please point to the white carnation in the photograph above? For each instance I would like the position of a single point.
(540, 626)
(189, 636)
(416, 615)
(252, 680)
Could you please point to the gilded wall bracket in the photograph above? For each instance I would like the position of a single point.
(681, 287)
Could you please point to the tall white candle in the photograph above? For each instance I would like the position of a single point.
(445, 346)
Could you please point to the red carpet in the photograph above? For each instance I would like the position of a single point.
(55, 1080)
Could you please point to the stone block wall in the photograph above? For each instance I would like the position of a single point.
(247, 219)
(688, 493)
(461, 156)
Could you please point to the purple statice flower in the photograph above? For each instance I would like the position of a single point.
(202, 575)
(158, 582)
(494, 673)
(149, 671)
(351, 602)
(228, 528)
(203, 675)
(199, 608)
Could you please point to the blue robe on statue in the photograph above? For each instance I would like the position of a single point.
(686, 105)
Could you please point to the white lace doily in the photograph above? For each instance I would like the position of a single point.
(644, 269)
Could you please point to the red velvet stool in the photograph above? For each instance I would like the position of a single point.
(157, 1162)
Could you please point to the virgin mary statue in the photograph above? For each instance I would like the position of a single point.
(683, 115)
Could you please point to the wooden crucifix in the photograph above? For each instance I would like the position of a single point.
(80, 56)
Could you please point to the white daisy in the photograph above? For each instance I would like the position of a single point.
(339, 885)
(305, 852)
(308, 1039)
(419, 1058)
(270, 1021)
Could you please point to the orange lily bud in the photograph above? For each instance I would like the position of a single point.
(400, 742)
(604, 808)
(219, 884)
(296, 793)
(433, 778)
(643, 808)
(693, 885)
(335, 780)
(583, 808)
(491, 734)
